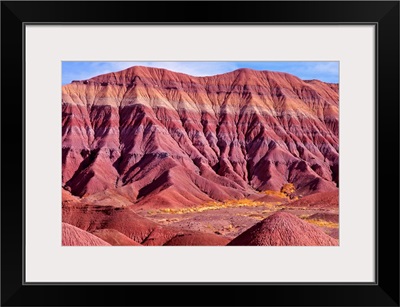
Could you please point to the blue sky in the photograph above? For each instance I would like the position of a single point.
(324, 71)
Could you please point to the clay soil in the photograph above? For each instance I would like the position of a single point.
(231, 222)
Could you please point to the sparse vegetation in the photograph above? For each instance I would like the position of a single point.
(274, 193)
(211, 227)
(270, 210)
(323, 223)
(253, 215)
(215, 205)
(288, 189)
(231, 217)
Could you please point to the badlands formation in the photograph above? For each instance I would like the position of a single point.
(155, 157)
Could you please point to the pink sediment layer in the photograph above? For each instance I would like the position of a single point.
(169, 139)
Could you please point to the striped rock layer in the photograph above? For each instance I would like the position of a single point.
(166, 139)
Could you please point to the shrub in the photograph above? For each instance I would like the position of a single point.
(288, 189)
(274, 193)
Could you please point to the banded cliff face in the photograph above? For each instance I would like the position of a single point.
(161, 138)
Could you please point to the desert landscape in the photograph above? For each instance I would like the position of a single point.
(154, 157)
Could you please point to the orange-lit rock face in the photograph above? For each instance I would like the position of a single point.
(162, 138)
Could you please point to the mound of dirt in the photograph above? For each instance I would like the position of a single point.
(284, 229)
(333, 232)
(325, 216)
(73, 236)
(134, 227)
(124, 220)
(197, 238)
(114, 237)
(318, 200)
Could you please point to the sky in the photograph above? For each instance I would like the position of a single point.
(324, 71)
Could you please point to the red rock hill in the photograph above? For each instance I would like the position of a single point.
(163, 138)
(73, 236)
(284, 229)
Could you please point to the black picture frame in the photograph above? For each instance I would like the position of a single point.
(383, 14)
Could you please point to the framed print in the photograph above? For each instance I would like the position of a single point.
(253, 151)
